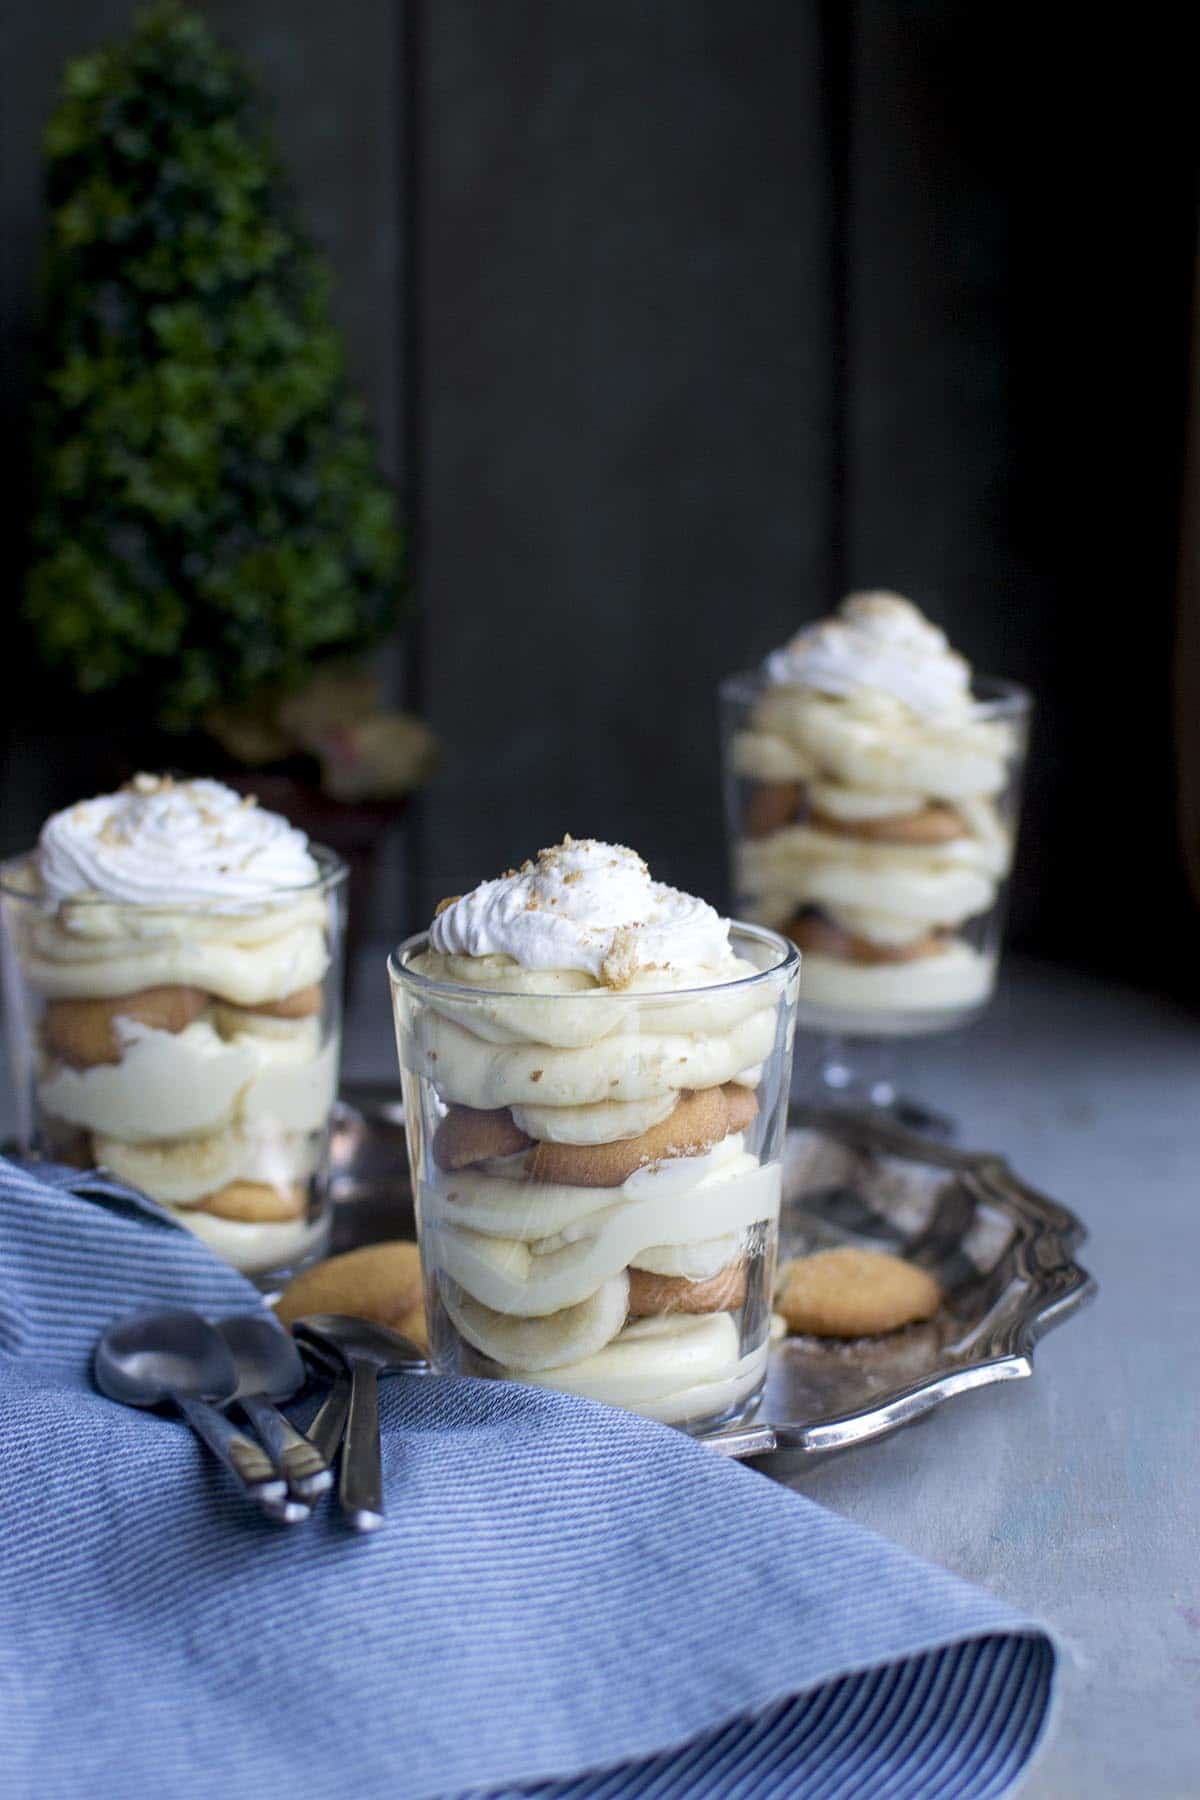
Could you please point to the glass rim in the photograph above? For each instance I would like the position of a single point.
(995, 696)
(788, 958)
(332, 871)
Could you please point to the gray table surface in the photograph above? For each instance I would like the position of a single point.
(1075, 1495)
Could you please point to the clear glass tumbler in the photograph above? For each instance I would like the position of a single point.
(882, 847)
(191, 1050)
(597, 1177)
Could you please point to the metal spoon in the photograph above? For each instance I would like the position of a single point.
(368, 1351)
(329, 1426)
(178, 1356)
(269, 1368)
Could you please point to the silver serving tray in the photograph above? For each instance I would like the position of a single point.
(1003, 1253)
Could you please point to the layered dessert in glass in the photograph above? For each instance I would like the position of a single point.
(595, 1072)
(871, 794)
(173, 985)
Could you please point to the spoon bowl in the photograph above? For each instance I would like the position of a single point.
(178, 1357)
(156, 1357)
(266, 1360)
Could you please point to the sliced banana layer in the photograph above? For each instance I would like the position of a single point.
(955, 976)
(869, 740)
(473, 1072)
(249, 961)
(499, 1202)
(942, 884)
(235, 1022)
(525, 1346)
(761, 756)
(256, 1249)
(853, 805)
(516, 1006)
(671, 1368)
(533, 1277)
(184, 1170)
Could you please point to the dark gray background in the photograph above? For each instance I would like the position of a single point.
(679, 316)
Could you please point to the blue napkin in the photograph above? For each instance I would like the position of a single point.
(567, 1600)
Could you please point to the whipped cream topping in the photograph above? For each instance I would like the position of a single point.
(162, 842)
(881, 643)
(585, 905)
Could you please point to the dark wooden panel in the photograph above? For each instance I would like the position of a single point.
(335, 108)
(625, 439)
(40, 767)
(1020, 222)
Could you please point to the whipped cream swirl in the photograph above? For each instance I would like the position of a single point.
(160, 842)
(585, 905)
(881, 643)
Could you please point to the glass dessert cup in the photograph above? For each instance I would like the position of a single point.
(897, 905)
(190, 1049)
(587, 1221)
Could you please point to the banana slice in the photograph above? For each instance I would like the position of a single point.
(863, 747)
(761, 756)
(936, 884)
(234, 1022)
(177, 1173)
(856, 804)
(656, 1357)
(185, 1170)
(695, 1262)
(604, 1122)
(526, 1345)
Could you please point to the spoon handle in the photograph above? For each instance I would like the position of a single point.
(329, 1425)
(246, 1461)
(361, 1488)
(297, 1460)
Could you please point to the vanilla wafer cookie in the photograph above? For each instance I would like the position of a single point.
(699, 1120)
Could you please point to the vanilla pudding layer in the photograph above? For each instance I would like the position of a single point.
(95, 950)
(864, 885)
(874, 743)
(192, 1083)
(954, 976)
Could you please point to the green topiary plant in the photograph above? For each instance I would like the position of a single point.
(209, 520)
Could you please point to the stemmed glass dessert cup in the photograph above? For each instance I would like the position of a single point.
(190, 1048)
(896, 900)
(597, 1176)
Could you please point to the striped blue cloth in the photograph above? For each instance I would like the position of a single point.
(567, 1601)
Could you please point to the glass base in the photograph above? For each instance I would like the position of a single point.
(858, 1075)
(742, 1412)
